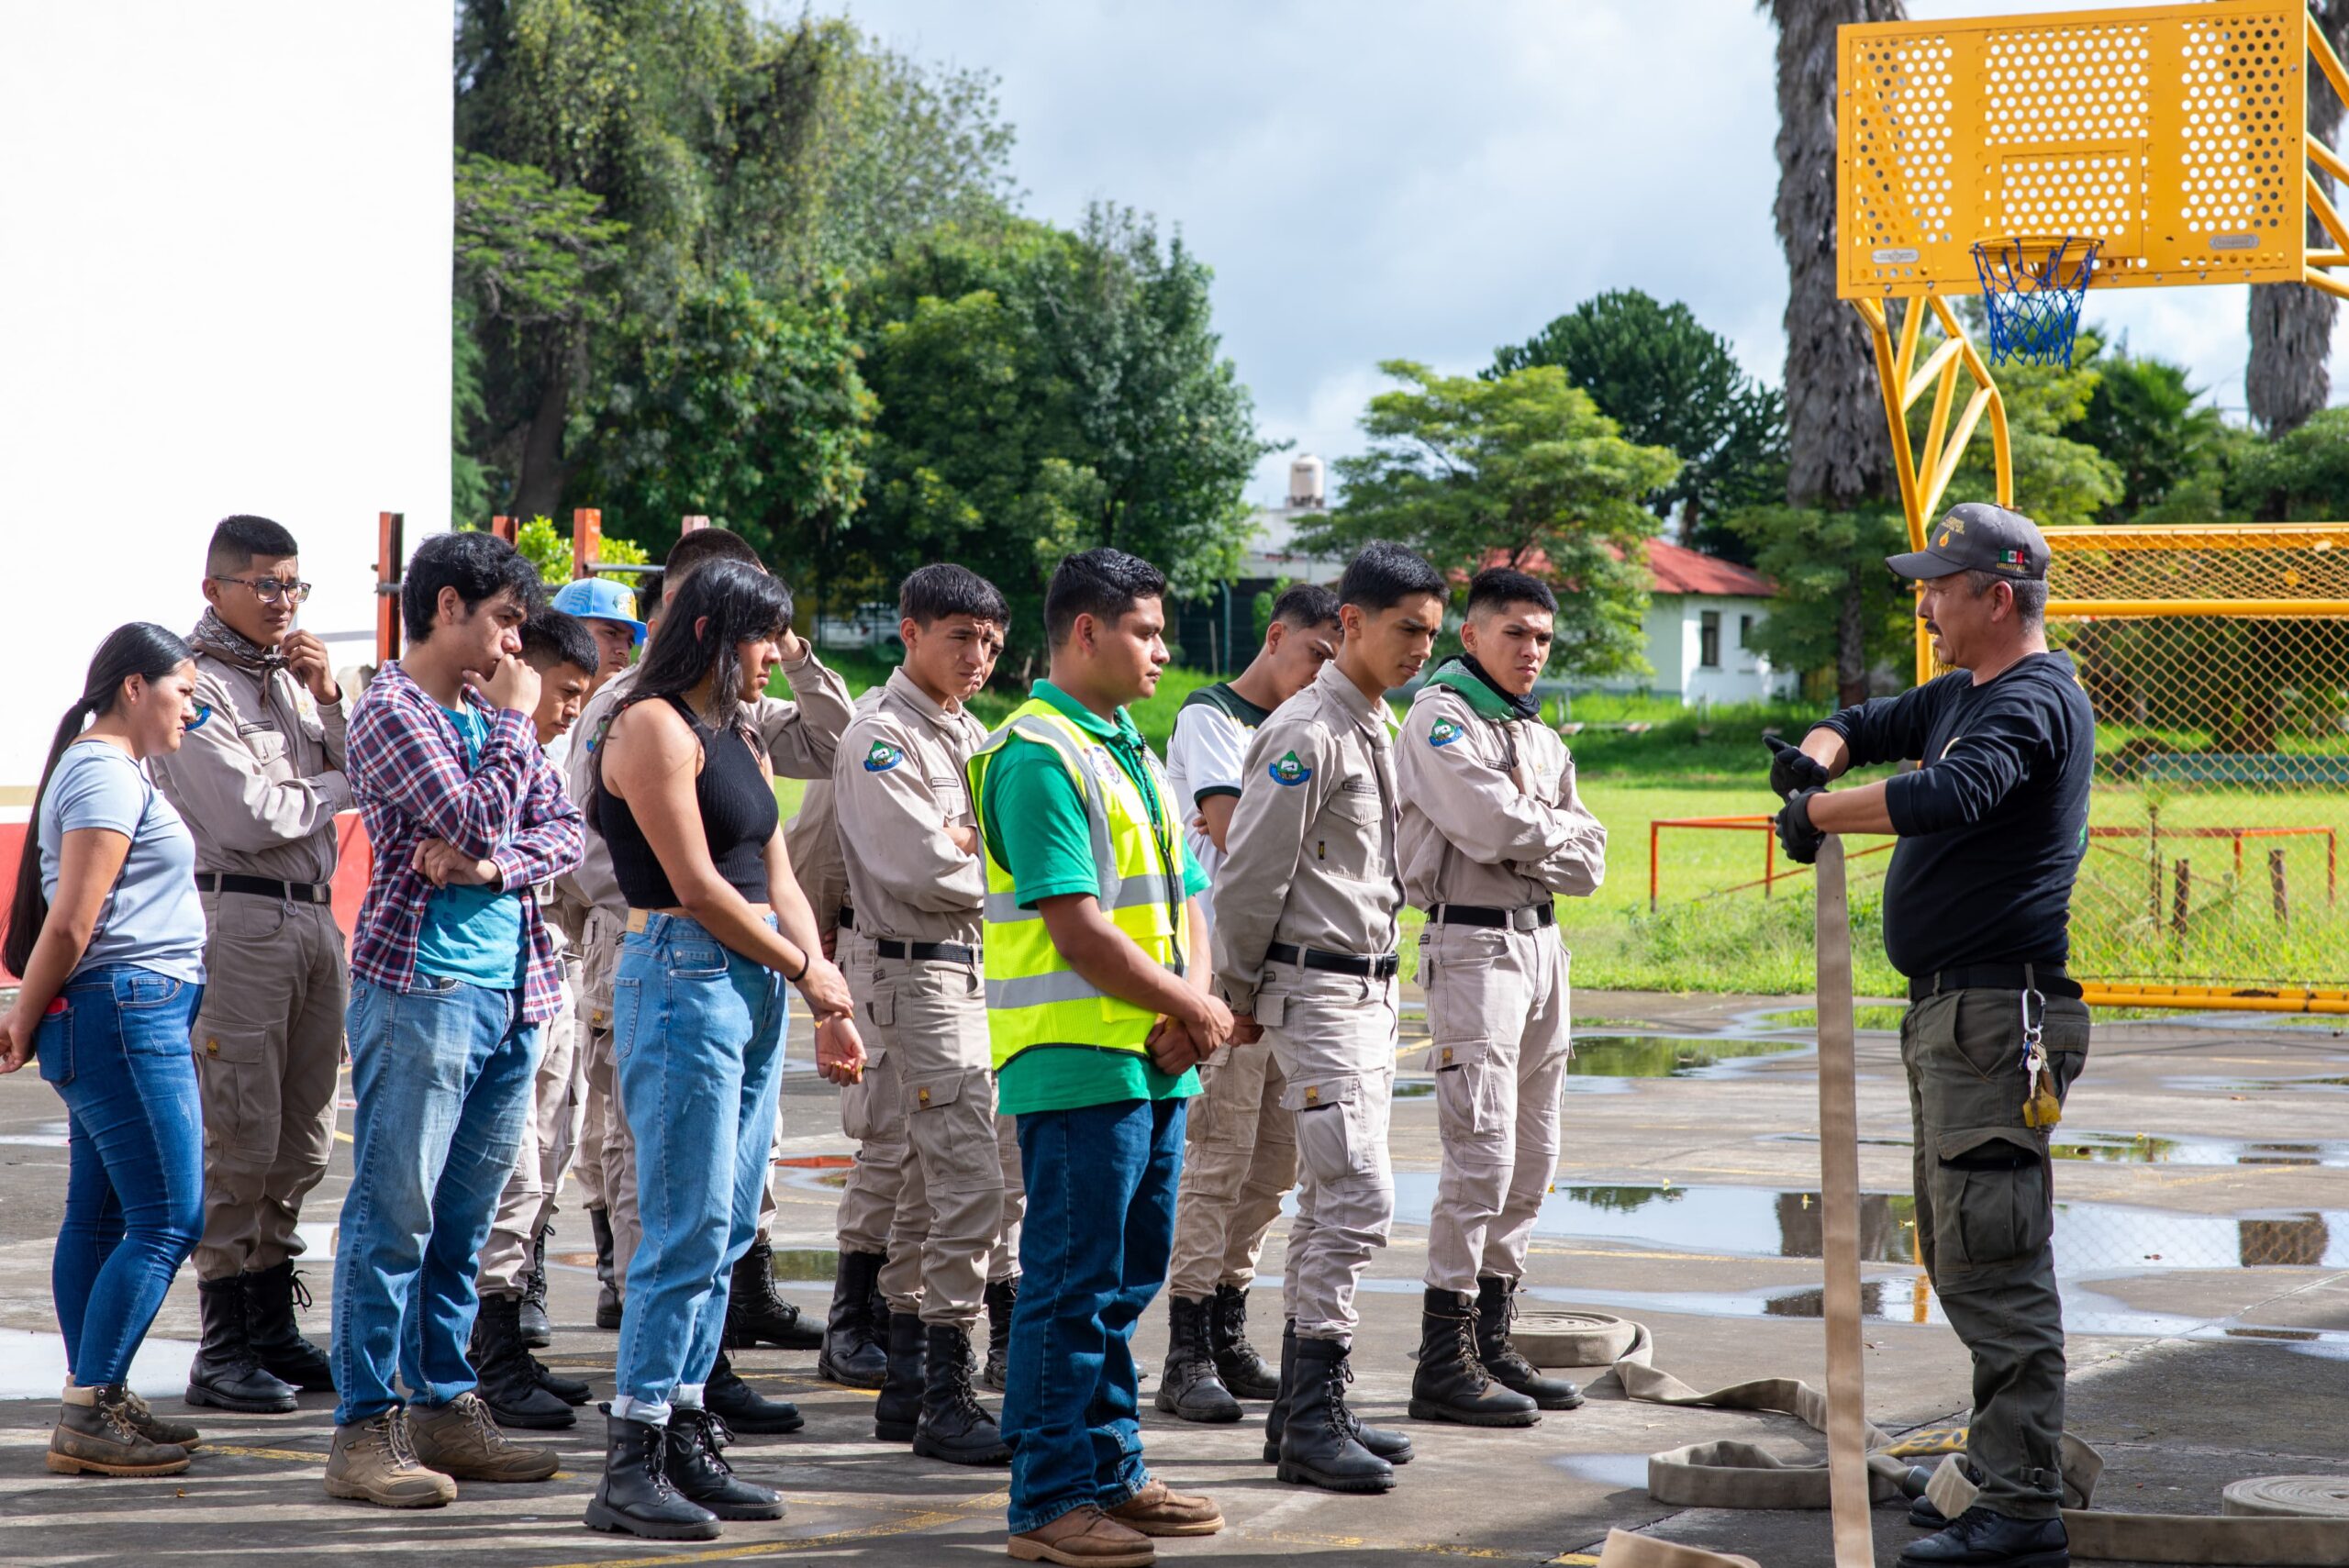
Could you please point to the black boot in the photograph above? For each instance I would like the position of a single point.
(224, 1375)
(1190, 1390)
(1317, 1445)
(1452, 1384)
(572, 1391)
(743, 1408)
(270, 1296)
(507, 1382)
(635, 1498)
(754, 1312)
(1980, 1539)
(1495, 1308)
(1003, 1294)
(954, 1426)
(1393, 1447)
(897, 1413)
(1243, 1372)
(607, 1279)
(536, 1332)
(701, 1474)
(855, 1350)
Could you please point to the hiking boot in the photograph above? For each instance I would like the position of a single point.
(1159, 1509)
(756, 1313)
(607, 1278)
(698, 1471)
(461, 1439)
(224, 1375)
(1393, 1447)
(1085, 1537)
(1002, 1296)
(1452, 1384)
(374, 1461)
(159, 1429)
(1189, 1390)
(507, 1375)
(897, 1413)
(743, 1408)
(270, 1297)
(1495, 1309)
(1317, 1445)
(1242, 1370)
(855, 1334)
(97, 1435)
(1980, 1539)
(635, 1496)
(953, 1425)
(537, 1330)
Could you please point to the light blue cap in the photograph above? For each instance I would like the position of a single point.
(600, 598)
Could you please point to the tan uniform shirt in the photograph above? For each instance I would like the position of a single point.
(813, 837)
(260, 782)
(1309, 858)
(897, 786)
(1476, 830)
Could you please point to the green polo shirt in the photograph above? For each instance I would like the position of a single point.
(1033, 815)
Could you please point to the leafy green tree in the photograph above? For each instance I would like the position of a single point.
(1521, 469)
(2153, 427)
(1668, 381)
(2060, 480)
(2299, 477)
(469, 479)
(1837, 608)
(547, 548)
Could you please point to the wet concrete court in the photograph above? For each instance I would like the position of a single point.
(2203, 1244)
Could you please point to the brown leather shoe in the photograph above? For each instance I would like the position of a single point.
(1085, 1537)
(1159, 1509)
(460, 1440)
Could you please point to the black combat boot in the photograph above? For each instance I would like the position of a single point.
(536, 1332)
(507, 1382)
(635, 1496)
(607, 1278)
(1452, 1384)
(701, 1474)
(1495, 1309)
(756, 1313)
(1393, 1447)
(1189, 1389)
(1980, 1539)
(1317, 1445)
(1243, 1372)
(897, 1413)
(224, 1375)
(270, 1296)
(954, 1426)
(855, 1348)
(743, 1408)
(1003, 1294)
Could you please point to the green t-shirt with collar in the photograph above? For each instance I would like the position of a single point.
(1034, 817)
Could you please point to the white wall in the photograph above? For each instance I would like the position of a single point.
(224, 288)
(1742, 676)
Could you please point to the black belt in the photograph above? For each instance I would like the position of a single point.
(847, 921)
(2048, 981)
(1525, 919)
(263, 887)
(927, 953)
(1383, 967)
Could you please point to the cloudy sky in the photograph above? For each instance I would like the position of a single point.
(1375, 180)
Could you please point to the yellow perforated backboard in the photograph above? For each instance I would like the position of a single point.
(2172, 134)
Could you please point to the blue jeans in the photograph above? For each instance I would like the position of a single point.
(696, 1050)
(118, 1055)
(442, 1076)
(1092, 1252)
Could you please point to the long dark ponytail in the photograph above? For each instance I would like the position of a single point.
(141, 648)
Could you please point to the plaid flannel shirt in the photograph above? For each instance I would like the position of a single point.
(407, 767)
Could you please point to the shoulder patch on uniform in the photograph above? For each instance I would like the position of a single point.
(882, 758)
(1289, 771)
(1443, 732)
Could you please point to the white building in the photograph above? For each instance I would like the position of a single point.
(1703, 612)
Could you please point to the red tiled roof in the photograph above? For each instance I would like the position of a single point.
(1673, 569)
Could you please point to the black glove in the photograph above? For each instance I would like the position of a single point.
(1800, 839)
(1792, 768)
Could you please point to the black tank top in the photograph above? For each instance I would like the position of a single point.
(738, 817)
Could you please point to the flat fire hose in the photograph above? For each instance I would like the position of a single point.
(1839, 1196)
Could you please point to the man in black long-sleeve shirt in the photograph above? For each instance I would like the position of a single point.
(1992, 826)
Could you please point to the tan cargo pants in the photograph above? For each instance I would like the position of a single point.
(1238, 1162)
(1498, 1016)
(548, 1136)
(602, 1123)
(1333, 1038)
(268, 1047)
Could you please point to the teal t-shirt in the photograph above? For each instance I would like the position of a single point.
(473, 934)
(1034, 819)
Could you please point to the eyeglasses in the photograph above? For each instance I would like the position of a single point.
(270, 590)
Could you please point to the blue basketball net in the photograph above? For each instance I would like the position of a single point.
(2031, 290)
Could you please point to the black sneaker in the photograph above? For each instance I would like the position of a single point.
(1980, 1539)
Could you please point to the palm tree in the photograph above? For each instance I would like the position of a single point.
(2289, 376)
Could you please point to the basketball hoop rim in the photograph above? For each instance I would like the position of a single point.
(2039, 245)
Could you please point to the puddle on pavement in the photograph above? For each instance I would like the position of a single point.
(2149, 1149)
(32, 1366)
(2212, 1085)
(1622, 1472)
(1601, 1061)
(807, 1265)
(47, 1135)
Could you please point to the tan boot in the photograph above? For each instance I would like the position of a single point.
(1085, 1538)
(97, 1436)
(1159, 1509)
(461, 1438)
(376, 1462)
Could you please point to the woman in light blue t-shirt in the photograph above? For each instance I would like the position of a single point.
(107, 931)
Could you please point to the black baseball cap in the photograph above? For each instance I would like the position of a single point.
(1979, 537)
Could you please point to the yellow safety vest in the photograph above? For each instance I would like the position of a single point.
(1033, 996)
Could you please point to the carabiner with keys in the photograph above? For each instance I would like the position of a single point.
(2040, 1106)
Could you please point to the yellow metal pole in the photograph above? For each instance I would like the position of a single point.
(2278, 609)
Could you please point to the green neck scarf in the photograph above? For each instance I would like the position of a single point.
(1461, 673)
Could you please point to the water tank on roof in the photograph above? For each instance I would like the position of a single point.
(1306, 476)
